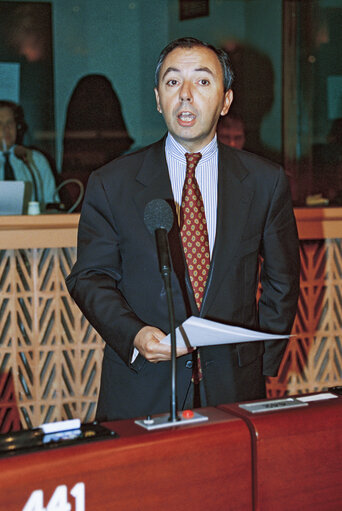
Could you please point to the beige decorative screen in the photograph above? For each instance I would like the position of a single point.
(50, 357)
(313, 360)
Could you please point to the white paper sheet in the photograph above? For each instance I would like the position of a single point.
(195, 332)
(317, 397)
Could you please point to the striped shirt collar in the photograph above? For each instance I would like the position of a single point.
(177, 151)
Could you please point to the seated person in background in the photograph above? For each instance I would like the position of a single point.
(21, 163)
(231, 131)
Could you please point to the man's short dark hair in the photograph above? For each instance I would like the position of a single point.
(191, 42)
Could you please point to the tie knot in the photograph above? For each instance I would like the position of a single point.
(192, 159)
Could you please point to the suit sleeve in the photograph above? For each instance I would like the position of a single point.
(93, 281)
(279, 273)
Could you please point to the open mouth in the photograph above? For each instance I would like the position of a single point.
(186, 118)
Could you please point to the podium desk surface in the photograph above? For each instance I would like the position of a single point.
(60, 230)
(205, 466)
(297, 459)
(38, 231)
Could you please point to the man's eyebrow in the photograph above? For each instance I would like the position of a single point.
(176, 70)
(205, 69)
(170, 70)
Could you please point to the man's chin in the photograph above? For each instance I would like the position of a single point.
(185, 135)
(192, 141)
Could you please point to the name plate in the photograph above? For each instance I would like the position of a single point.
(273, 405)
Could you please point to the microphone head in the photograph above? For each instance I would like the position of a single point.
(158, 215)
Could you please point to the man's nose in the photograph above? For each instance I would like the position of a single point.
(185, 92)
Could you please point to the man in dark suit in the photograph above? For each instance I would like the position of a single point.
(249, 218)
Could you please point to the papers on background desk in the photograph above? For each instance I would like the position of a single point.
(195, 332)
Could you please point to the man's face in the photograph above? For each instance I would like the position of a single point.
(8, 128)
(190, 95)
(232, 135)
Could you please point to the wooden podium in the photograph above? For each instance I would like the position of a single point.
(264, 456)
(297, 454)
(203, 467)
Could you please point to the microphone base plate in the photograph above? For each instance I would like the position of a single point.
(162, 421)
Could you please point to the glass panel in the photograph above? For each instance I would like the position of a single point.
(86, 76)
(313, 100)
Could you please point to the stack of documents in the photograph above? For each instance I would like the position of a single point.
(195, 332)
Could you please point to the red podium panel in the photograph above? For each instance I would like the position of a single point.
(203, 467)
(297, 456)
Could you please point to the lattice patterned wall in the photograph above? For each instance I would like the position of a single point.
(50, 358)
(313, 360)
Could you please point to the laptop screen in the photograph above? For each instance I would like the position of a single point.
(13, 197)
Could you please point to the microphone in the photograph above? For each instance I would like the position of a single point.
(158, 218)
(21, 153)
(60, 207)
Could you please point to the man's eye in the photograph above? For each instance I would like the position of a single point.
(204, 81)
(171, 83)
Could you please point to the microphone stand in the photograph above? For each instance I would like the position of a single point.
(165, 271)
(34, 181)
(158, 219)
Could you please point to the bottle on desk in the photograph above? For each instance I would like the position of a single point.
(33, 208)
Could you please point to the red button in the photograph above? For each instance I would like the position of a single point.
(187, 414)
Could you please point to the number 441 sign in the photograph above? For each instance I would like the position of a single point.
(59, 500)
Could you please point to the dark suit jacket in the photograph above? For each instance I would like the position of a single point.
(117, 285)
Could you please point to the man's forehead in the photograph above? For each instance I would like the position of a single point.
(197, 58)
(5, 111)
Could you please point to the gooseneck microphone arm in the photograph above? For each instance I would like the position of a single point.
(158, 218)
(21, 153)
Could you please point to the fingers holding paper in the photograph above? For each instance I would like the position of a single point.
(148, 343)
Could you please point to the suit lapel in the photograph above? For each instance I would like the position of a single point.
(234, 197)
(154, 176)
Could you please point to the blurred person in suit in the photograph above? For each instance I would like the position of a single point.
(231, 131)
(21, 163)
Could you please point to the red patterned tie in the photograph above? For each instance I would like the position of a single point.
(195, 242)
(194, 230)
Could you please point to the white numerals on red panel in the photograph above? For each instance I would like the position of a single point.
(59, 499)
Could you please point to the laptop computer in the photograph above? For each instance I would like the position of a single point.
(14, 197)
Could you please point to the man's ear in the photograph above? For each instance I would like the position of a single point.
(157, 100)
(228, 99)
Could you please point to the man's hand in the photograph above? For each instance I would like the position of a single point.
(147, 342)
